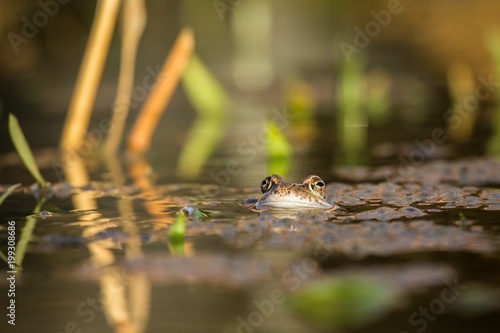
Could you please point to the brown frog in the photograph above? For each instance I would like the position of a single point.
(280, 195)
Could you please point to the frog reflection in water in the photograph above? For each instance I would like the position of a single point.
(280, 195)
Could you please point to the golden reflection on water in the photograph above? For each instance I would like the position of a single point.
(125, 298)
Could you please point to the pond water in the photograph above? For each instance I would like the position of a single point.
(397, 114)
(406, 252)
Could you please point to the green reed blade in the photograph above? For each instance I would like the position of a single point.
(23, 149)
(176, 235)
(211, 103)
(27, 235)
(8, 192)
(177, 230)
(493, 144)
(349, 302)
(279, 150)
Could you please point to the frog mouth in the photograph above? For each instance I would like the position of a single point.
(295, 203)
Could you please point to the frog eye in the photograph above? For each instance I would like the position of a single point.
(319, 184)
(265, 184)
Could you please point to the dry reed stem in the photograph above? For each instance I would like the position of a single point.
(90, 74)
(139, 172)
(134, 21)
(139, 139)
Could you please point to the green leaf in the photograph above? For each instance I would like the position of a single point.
(351, 116)
(23, 149)
(279, 150)
(176, 235)
(350, 302)
(196, 213)
(177, 230)
(27, 234)
(277, 143)
(211, 103)
(204, 91)
(493, 144)
(8, 192)
(462, 217)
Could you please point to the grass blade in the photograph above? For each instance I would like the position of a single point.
(27, 235)
(8, 192)
(23, 149)
(177, 230)
(176, 235)
(279, 150)
(211, 103)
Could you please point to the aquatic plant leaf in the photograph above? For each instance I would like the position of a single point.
(177, 230)
(300, 105)
(211, 102)
(343, 302)
(351, 115)
(23, 149)
(279, 150)
(27, 234)
(176, 235)
(493, 144)
(462, 217)
(8, 192)
(203, 90)
(203, 138)
(195, 213)
(277, 143)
